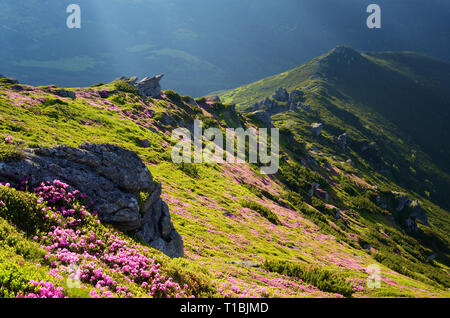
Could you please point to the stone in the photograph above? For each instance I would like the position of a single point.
(341, 141)
(316, 128)
(130, 80)
(314, 187)
(322, 194)
(263, 117)
(414, 211)
(145, 143)
(112, 177)
(402, 201)
(106, 94)
(296, 96)
(281, 95)
(244, 263)
(150, 86)
(213, 98)
(64, 93)
(418, 213)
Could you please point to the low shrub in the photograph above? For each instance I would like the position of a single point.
(323, 279)
(262, 210)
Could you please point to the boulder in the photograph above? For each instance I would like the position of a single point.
(112, 177)
(145, 143)
(316, 128)
(150, 86)
(106, 93)
(411, 211)
(342, 141)
(64, 93)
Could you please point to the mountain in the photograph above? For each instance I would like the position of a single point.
(346, 215)
(202, 46)
(399, 101)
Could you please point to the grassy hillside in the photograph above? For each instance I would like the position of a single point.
(400, 101)
(245, 234)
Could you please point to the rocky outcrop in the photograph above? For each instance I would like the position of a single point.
(295, 97)
(316, 128)
(292, 101)
(342, 141)
(213, 98)
(9, 80)
(150, 86)
(263, 117)
(410, 210)
(317, 192)
(112, 177)
(130, 80)
(281, 95)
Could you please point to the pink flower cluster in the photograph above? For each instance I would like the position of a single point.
(98, 260)
(63, 202)
(8, 139)
(46, 290)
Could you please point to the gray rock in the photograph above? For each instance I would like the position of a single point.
(281, 95)
(296, 96)
(263, 117)
(112, 177)
(414, 211)
(213, 98)
(316, 128)
(306, 108)
(418, 213)
(150, 86)
(145, 143)
(64, 93)
(342, 141)
(130, 80)
(244, 263)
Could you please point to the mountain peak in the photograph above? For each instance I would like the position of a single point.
(342, 54)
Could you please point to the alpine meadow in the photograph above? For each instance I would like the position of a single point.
(340, 187)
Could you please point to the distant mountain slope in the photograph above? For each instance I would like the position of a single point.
(220, 45)
(398, 99)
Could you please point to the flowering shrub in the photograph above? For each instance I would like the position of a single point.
(103, 257)
(8, 139)
(45, 290)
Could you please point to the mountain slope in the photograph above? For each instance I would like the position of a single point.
(245, 234)
(398, 100)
